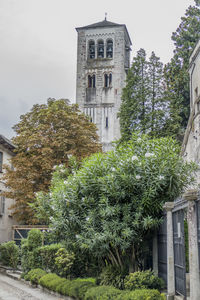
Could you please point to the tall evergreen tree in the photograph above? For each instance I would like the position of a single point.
(142, 107)
(176, 72)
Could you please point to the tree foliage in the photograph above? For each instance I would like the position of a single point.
(46, 136)
(114, 201)
(176, 72)
(143, 104)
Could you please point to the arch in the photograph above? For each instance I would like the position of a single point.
(91, 81)
(107, 80)
(109, 48)
(91, 49)
(110, 79)
(100, 49)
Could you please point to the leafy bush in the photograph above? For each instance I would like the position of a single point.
(29, 259)
(34, 275)
(142, 294)
(63, 261)
(45, 280)
(103, 293)
(143, 280)
(79, 287)
(9, 254)
(48, 255)
(35, 237)
(112, 275)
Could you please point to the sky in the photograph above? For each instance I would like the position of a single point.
(38, 45)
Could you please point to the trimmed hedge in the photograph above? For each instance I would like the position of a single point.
(103, 292)
(142, 294)
(34, 275)
(9, 254)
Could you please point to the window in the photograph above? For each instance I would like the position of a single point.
(109, 49)
(2, 205)
(106, 122)
(107, 80)
(1, 161)
(100, 49)
(91, 49)
(91, 81)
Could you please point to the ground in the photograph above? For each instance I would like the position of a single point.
(11, 289)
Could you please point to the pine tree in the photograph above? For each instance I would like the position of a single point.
(142, 107)
(176, 72)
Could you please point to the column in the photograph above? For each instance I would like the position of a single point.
(191, 196)
(155, 254)
(170, 252)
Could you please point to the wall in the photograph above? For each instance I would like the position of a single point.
(6, 220)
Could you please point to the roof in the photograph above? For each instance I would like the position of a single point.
(104, 24)
(6, 143)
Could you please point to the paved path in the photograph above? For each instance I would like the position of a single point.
(11, 289)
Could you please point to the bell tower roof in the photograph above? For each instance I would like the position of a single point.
(104, 24)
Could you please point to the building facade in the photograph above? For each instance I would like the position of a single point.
(6, 219)
(103, 58)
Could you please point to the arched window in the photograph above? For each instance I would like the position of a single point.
(109, 49)
(92, 81)
(107, 80)
(91, 49)
(100, 48)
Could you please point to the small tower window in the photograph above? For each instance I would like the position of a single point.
(107, 80)
(2, 205)
(109, 49)
(92, 81)
(106, 122)
(91, 49)
(100, 49)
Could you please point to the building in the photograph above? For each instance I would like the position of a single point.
(103, 58)
(6, 220)
(191, 142)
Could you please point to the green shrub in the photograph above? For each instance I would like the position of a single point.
(141, 294)
(78, 288)
(48, 255)
(143, 280)
(29, 259)
(9, 254)
(46, 279)
(103, 293)
(64, 261)
(35, 238)
(112, 275)
(34, 275)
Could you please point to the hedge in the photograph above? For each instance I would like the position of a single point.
(34, 275)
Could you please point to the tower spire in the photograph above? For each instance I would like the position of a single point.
(106, 16)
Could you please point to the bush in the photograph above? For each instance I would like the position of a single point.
(35, 237)
(142, 294)
(143, 280)
(29, 259)
(63, 261)
(112, 275)
(78, 288)
(9, 254)
(48, 255)
(103, 293)
(46, 279)
(34, 275)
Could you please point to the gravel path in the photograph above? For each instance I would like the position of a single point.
(11, 289)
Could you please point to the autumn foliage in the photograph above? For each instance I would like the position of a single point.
(46, 136)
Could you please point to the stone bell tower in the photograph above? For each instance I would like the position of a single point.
(103, 58)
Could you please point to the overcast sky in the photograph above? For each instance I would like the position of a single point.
(38, 44)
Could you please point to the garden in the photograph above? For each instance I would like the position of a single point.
(102, 217)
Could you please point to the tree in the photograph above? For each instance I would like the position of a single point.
(176, 72)
(46, 136)
(143, 104)
(111, 205)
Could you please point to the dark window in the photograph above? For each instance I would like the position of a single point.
(1, 161)
(91, 49)
(100, 49)
(107, 80)
(106, 122)
(2, 205)
(91, 81)
(109, 49)
(110, 79)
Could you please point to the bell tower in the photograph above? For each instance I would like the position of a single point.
(103, 58)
